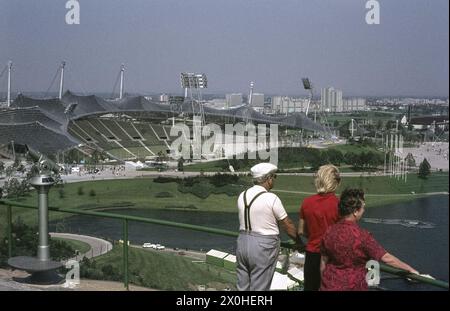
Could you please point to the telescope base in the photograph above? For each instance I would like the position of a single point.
(42, 272)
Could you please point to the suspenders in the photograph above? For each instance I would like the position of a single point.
(248, 226)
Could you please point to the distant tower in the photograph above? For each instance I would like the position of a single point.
(61, 81)
(250, 95)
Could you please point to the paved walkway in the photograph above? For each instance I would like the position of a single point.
(98, 246)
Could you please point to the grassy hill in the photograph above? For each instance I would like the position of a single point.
(161, 270)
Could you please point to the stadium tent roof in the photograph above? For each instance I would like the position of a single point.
(51, 106)
(28, 115)
(36, 135)
(86, 104)
(92, 105)
(137, 103)
(42, 123)
(244, 112)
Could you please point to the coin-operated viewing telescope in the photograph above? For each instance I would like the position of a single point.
(42, 268)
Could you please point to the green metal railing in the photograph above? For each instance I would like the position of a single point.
(126, 218)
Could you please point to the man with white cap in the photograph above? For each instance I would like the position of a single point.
(258, 244)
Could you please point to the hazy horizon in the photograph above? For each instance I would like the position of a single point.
(273, 43)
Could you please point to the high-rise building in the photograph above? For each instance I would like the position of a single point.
(257, 100)
(287, 105)
(234, 99)
(331, 100)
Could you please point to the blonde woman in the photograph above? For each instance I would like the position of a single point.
(317, 213)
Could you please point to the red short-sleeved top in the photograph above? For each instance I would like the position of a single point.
(319, 211)
(348, 248)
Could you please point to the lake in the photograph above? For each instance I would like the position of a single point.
(416, 232)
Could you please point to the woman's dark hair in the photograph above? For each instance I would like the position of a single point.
(350, 201)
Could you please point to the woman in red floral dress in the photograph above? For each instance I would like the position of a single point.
(346, 248)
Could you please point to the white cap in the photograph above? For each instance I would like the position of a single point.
(262, 169)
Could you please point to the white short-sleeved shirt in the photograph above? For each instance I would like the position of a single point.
(265, 212)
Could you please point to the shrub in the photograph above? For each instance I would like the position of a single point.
(164, 194)
(61, 193)
(162, 180)
(92, 193)
(424, 169)
(80, 191)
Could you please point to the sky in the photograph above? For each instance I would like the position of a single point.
(271, 42)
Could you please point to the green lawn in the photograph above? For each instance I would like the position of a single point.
(165, 271)
(141, 193)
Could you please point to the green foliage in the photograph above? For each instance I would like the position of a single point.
(183, 207)
(162, 179)
(156, 270)
(219, 180)
(25, 242)
(80, 191)
(61, 193)
(424, 169)
(180, 165)
(410, 161)
(15, 188)
(202, 187)
(92, 193)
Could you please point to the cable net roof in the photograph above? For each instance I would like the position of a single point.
(52, 106)
(36, 135)
(91, 105)
(28, 115)
(86, 104)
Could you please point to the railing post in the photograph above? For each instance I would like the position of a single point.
(125, 252)
(9, 224)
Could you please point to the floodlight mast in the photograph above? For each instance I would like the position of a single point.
(8, 100)
(122, 72)
(61, 81)
(195, 81)
(308, 86)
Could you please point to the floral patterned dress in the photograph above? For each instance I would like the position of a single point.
(348, 248)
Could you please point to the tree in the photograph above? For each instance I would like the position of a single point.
(424, 169)
(410, 161)
(181, 164)
(379, 125)
(334, 156)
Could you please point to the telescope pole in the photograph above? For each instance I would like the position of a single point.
(43, 247)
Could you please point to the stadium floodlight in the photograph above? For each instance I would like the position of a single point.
(193, 81)
(306, 84)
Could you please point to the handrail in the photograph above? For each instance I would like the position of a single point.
(126, 218)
